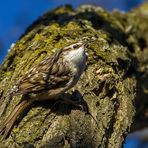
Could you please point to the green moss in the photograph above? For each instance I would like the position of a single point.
(107, 85)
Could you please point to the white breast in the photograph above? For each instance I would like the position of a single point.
(77, 60)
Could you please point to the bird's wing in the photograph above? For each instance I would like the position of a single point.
(51, 73)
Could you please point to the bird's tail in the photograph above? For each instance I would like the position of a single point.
(10, 120)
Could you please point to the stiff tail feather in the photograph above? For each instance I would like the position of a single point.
(10, 120)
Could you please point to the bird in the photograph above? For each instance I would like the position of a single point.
(48, 79)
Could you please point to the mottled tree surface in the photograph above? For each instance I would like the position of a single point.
(113, 85)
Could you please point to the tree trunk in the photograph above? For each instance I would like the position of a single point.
(116, 66)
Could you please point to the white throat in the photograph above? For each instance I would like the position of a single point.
(77, 58)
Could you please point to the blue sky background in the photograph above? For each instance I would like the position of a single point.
(16, 15)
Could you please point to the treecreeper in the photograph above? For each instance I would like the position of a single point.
(47, 80)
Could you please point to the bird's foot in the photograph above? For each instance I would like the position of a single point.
(75, 100)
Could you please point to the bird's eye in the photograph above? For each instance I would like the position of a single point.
(75, 46)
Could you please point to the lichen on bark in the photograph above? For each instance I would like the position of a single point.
(108, 85)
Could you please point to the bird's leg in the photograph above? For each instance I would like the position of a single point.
(10, 120)
(76, 103)
(68, 99)
(71, 100)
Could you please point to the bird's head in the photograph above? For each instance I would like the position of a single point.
(75, 53)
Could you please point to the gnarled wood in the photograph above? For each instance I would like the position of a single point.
(108, 85)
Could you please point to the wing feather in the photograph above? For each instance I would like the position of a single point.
(51, 73)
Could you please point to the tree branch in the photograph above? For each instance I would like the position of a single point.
(116, 64)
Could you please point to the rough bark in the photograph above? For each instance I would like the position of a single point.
(116, 66)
